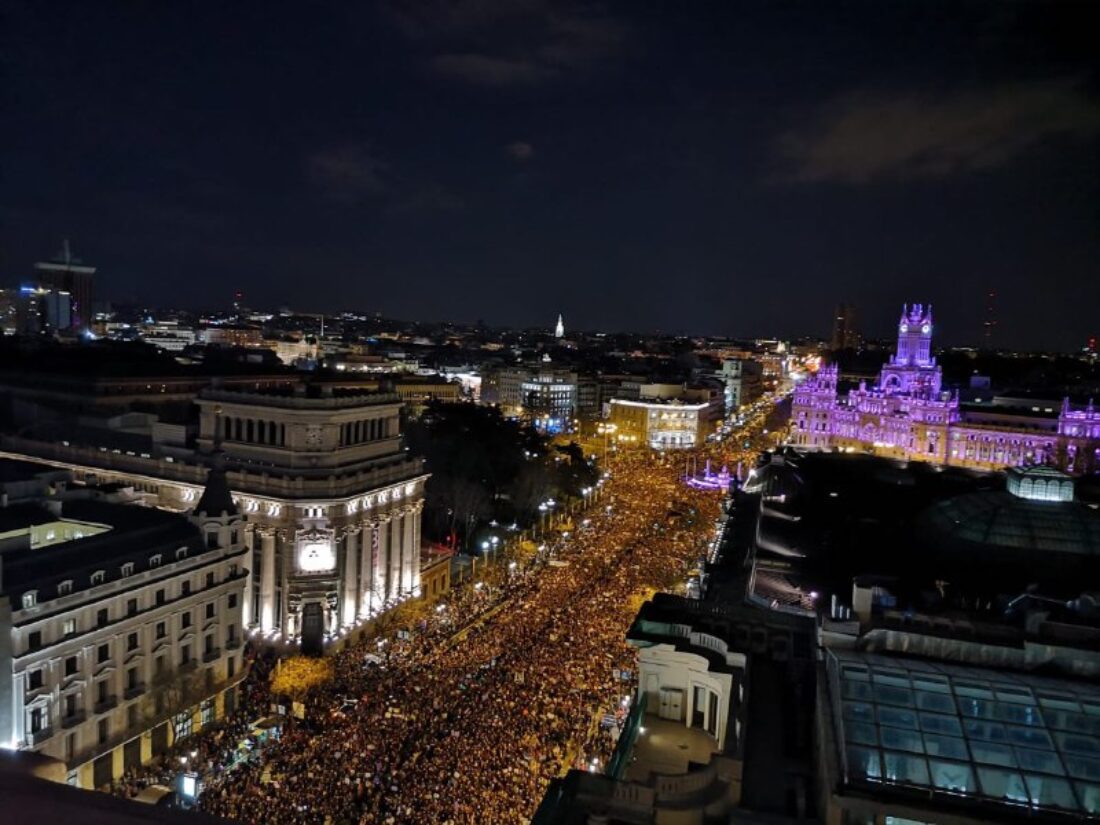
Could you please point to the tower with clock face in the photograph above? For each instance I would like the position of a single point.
(912, 370)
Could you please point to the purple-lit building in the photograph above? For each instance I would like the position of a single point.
(907, 414)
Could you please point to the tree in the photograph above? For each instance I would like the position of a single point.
(172, 692)
(297, 676)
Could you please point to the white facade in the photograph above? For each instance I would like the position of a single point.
(91, 646)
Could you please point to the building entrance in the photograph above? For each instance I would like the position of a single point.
(313, 629)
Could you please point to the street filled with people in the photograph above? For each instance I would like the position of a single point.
(500, 686)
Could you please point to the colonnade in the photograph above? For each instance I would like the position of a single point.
(377, 566)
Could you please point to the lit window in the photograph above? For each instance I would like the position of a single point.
(30, 599)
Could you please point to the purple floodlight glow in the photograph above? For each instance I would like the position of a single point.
(906, 414)
(710, 480)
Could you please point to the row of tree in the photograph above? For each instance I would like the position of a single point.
(486, 467)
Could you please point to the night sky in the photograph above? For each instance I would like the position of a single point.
(730, 168)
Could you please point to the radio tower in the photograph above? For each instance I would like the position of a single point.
(990, 324)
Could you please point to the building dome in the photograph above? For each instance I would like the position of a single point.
(1004, 521)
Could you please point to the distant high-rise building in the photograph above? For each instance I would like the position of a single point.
(559, 330)
(69, 274)
(845, 328)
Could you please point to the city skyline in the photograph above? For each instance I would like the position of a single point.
(462, 162)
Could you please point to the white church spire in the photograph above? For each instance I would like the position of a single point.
(559, 330)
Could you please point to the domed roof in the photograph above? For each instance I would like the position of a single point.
(1000, 519)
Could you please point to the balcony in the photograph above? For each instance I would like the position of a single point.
(36, 738)
(74, 720)
(232, 643)
(110, 703)
(211, 654)
(134, 691)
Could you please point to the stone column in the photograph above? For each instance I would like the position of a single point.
(393, 574)
(351, 574)
(410, 554)
(250, 570)
(366, 569)
(267, 580)
(383, 584)
(416, 518)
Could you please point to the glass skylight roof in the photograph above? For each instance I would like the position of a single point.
(969, 732)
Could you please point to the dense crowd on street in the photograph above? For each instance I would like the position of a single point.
(472, 732)
(435, 727)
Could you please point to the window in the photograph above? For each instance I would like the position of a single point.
(211, 540)
(162, 631)
(185, 619)
(37, 718)
(132, 678)
(101, 691)
(231, 666)
(132, 716)
(30, 599)
(34, 679)
(181, 553)
(208, 644)
(127, 569)
(154, 561)
(68, 627)
(184, 724)
(34, 640)
(98, 577)
(104, 730)
(158, 665)
(102, 654)
(132, 642)
(209, 579)
(70, 706)
(210, 610)
(161, 596)
(65, 587)
(131, 607)
(185, 589)
(232, 600)
(185, 654)
(71, 666)
(102, 617)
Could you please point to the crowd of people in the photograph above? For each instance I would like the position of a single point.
(501, 687)
(472, 731)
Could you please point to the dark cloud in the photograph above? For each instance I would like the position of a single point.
(347, 173)
(499, 43)
(520, 150)
(869, 137)
(486, 70)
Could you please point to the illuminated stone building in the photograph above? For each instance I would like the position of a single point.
(907, 414)
(121, 625)
(332, 501)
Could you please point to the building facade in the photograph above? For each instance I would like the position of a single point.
(547, 397)
(743, 382)
(333, 502)
(663, 425)
(123, 633)
(908, 415)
